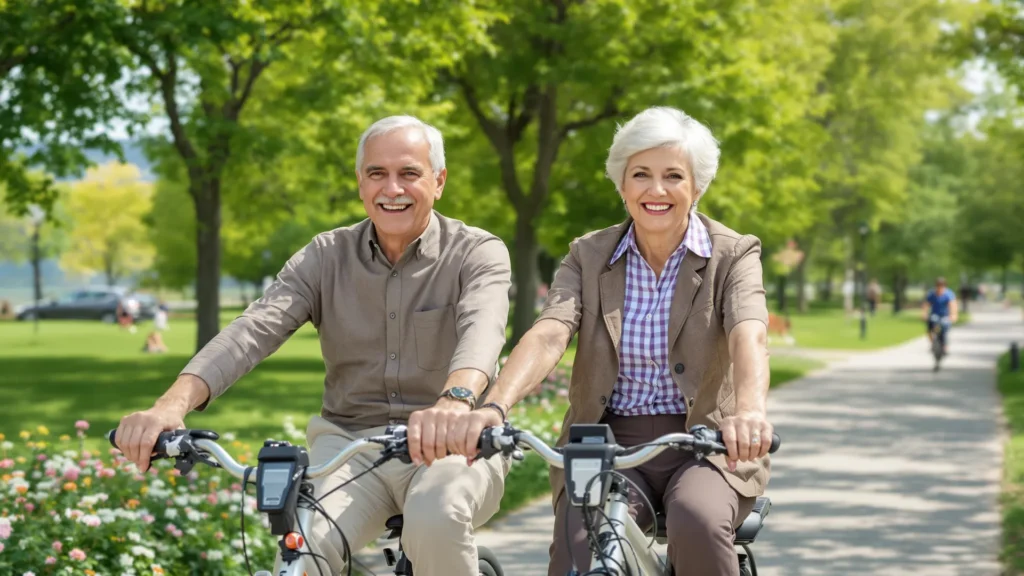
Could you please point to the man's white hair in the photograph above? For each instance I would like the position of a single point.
(662, 126)
(392, 123)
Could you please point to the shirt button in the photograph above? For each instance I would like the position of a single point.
(394, 274)
(392, 315)
(393, 355)
(679, 368)
(394, 394)
(648, 316)
(603, 400)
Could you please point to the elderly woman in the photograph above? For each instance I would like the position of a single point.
(670, 311)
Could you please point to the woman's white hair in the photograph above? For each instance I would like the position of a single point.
(662, 126)
(392, 123)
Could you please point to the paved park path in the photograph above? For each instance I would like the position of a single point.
(886, 467)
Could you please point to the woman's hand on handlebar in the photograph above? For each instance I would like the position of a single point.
(747, 436)
(137, 434)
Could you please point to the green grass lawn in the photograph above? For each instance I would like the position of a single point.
(1011, 385)
(97, 372)
(831, 329)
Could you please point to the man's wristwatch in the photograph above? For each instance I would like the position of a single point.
(461, 394)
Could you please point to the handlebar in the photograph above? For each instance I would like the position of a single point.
(201, 446)
(188, 447)
(702, 441)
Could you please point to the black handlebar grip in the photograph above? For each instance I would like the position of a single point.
(486, 443)
(159, 450)
(776, 441)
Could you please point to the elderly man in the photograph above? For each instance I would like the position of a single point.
(411, 308)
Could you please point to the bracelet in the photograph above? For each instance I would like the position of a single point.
(496, 407)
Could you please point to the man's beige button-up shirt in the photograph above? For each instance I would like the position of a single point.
(389, 334)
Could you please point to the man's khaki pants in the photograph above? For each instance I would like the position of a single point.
(442, 504)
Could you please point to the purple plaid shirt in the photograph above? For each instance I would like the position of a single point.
(644, 385)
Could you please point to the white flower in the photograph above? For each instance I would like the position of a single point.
(29, 574)
(37, 475)
(143, 551)
(171, 513)
(236, 543)
(214, 555)
(90, 520)
(181, 501)
(134, 537)
(126, 560)
(229, 436)
(7, 445)
(194, 516)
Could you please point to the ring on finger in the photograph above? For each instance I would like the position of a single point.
(755, 439)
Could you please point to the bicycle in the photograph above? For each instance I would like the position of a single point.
(939, 327)
(285, 494)
(590, 459)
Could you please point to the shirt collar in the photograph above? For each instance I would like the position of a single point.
(696, 239)
(427, 245)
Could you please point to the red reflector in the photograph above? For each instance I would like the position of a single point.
(294, 541)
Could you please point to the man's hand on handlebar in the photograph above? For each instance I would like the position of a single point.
(137, 434)
(739, 433)
(464, 435)
(429, 431)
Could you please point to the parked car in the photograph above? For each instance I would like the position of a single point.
(91, 304)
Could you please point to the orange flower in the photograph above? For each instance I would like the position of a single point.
(6, 478)
(71, 487)
(22, 489)
(90, 573)
(133, 504)
(157, 569)
(224, 515)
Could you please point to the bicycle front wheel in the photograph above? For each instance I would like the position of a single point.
(488, 563)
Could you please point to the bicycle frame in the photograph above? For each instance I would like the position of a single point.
(640, 558)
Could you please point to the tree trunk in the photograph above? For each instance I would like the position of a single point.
(37, 275)
(525, 267)
(546, 265)
(206, 193)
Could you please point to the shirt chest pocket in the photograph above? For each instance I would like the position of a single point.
(435, 337)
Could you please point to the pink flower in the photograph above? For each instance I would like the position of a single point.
(50, 472)
(30, 507)
(76, 554)
(148, 518)
(114, 451)
(107, 473)
(236, 487)
(82, 425)
(218, 535)
(86, 454)
(212, 499)
(57, 545)
(41, 457)
(6, 463)
(1, 546)
(71, 474)
(5, 531)
(202, 555)
(50, 560)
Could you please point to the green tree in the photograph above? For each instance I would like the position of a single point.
(560, 71)
(107, 233)
(58, 75)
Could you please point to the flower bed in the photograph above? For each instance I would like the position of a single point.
(64, 510)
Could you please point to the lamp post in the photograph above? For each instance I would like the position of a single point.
(37, 217)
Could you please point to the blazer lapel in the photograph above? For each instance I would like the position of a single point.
(687, 283)
(613, 299)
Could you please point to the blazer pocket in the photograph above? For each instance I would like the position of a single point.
(435, 337)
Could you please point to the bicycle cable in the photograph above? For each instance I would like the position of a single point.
(245, 551)
(588, 524)
(314, 554)
(593, 539)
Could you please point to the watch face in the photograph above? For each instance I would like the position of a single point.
(462, 393)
